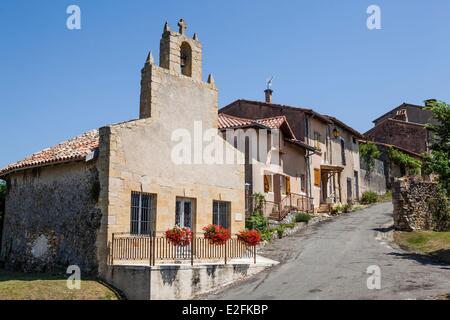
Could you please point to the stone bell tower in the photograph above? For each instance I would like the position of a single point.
(179, 53)
(180, 58)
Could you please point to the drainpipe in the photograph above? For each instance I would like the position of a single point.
(307, 159)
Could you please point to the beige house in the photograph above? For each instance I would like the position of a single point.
(332, 169)
(275, 162)
(64, 203)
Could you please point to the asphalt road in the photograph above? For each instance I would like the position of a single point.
(330, 261)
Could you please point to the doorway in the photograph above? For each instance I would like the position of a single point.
(356, 186)
(349, 191)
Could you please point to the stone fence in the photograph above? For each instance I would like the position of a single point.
(414, 203)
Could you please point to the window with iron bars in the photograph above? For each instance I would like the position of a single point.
(143, 213)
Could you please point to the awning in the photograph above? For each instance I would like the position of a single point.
(331, 168)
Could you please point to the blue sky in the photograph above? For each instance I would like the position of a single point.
(56, 83)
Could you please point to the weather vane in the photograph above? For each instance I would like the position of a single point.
(269, 83)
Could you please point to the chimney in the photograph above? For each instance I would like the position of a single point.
(268, 93)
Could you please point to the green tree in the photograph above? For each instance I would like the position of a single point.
(438, 161)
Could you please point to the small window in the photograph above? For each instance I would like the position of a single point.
(222, 213)
(302, 183)
(317, 140)
(143, 213)
(344, 162)
(268, 183)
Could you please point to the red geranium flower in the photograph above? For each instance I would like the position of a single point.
(179, 236)
(250, 237)
(216, 234)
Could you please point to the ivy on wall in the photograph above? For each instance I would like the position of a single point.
(369, 152)
(412, 165)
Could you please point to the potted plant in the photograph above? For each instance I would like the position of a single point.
(179, 236)
(216, 234)
(250, 237)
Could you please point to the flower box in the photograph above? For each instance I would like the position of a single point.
(216, 234)
(250, 237)
(179, 236)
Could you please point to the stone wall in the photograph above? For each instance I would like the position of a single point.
(175, 282)
(51, 219)
(374, 181)
(412, 208)
(407, 135)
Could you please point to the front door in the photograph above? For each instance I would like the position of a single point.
(184, 215)
(349, 190)
(276, 188)
(356, 186)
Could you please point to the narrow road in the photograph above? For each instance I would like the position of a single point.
(330, 261)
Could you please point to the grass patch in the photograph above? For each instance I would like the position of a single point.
(435, 244)
(385, 197)
(20, 286)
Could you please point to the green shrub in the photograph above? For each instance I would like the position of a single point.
(369, 197)
(336, 209)
(257, 221)
(290, 225)
(266, 235)
(440, 210)
(347, 207)
(385, 197)
(302, 217)
(280, 231)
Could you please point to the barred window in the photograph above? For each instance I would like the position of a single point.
(143, 213)
(222, 213)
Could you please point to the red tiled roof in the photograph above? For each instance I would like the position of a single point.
(273, 122)
(227, 121)
(71, 150)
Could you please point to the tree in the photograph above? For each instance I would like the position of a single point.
(438, 161)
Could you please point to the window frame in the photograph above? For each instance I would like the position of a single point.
(142, 213)
(217, 216)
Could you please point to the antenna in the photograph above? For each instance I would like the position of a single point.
(269, 82)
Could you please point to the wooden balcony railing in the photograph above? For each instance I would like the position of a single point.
(291, 202)
(146, 249)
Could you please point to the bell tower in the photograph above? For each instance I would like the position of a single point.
(180, 63)
(179, 53)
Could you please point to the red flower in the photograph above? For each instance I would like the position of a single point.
(216, 234)
(250, 237)
(179, 236)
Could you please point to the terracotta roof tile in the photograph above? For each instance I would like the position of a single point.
(71, 150)
(227, 121)
(273, 122)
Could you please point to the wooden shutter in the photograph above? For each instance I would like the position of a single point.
(288, 185)
(266, 184)
(317, 177)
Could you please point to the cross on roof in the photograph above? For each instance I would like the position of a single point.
(182, 25)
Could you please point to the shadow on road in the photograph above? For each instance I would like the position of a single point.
(385, 229)
(422, 259)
